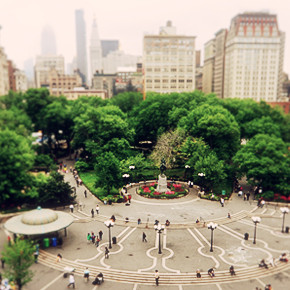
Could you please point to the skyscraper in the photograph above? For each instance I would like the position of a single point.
(95, 50)
(48, 42)
(81, 44)
(109, 46)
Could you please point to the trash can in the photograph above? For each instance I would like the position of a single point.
(46, 243)
(54, 242)
(114, 240)
(246, 236)
(287, 230)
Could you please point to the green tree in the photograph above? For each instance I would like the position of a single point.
(127, 101)
(265, 162)
(167, 147)
(18, 259)
(216, 126)
(16, 159)
(108, 172)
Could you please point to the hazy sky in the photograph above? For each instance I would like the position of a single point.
(127, 20)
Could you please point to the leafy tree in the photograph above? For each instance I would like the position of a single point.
(216, 126)
(167, 147)
(16, 120)
(18, 259)
(16, 158)
(108, 172)
(13, 99)
(126, 101)
(265, 162)
(53, 190)
(97, 127)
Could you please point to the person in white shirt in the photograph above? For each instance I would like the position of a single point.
(71, 281)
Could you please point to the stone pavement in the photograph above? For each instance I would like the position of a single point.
(185, 245)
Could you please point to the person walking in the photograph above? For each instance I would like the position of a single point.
(157, 276)
(93, 238)
(2, 262)
(58, 258)
(71, 208)
(85, 194)
(88, 238)
(222, 202)
(101, 235)
(71, 280)
(36, 253)
(248, 195)
(144, 237)
(107, 253)
(232, 271)
(198, 275)
(87, 274)
(97, 241)
(97, 209)
(93, 213)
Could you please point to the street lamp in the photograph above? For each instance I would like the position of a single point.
(255, 220)
(201, 174)
(132, 167)
(109, 224)
(211, 226)
(126, 177)
(186, 169)
(159, 228)
(284, 210)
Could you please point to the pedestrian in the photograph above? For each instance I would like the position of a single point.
(113, 218)
(211, 272)
(222, 202)
(240, 193)
(248, 195)
(126, 220)
(229, 215)
(87, 274)
(71, 280)
(93, 237)
(97, 241)
(198, 275)
(107, 253)
(167, 223)
(101, 235)
(36, 253)
(85, 193)
(97, 209)
(197, 221)
(144, 237)
(88, 238)
(92, 212)
(2, 262)
(232, 270)
(139, 221)
(245, 196)
(262, 203)
(71, 208)
(58, 258)
(60, 165)
(77, 181)
(70, 169)
(157, 277)
(129, 198)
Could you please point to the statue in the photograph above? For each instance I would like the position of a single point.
(162, 166)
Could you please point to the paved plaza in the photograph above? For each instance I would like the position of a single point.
(185, 245)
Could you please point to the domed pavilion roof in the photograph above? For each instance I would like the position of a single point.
(38, 222)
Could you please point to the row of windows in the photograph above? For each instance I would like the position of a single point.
(167, 81)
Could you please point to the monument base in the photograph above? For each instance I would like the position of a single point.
(162, 183)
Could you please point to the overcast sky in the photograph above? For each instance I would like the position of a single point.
(126, 20)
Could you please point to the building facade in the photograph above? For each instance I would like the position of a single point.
(60, 83)
(208, 66)
(109, 46)
(4, 78)
(44, 65)
(104, 82)
(81, 41)
(169, 61)
(248, 58)
(95, 50)
(21, 82)
(48, 41)
(75, 93)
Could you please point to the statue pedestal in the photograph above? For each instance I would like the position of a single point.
(162, 183)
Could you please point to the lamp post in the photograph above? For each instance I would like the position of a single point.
(159, 229)
(132, 167)
(109, 224)
(186, 169)
(255, 220)
(211, 226)
(126, 177)
(284, 210)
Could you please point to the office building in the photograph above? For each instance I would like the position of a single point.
(81, 44)
(43, 66)
(109, 46)
(104, 82)
(48, 41)
(4, 78)
(169, 61)
(95, 50)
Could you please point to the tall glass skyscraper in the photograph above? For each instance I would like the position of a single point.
(81, 44)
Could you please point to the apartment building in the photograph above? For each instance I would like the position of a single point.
(169, 61)
(248, 58)
(43, 67)
(4, 78)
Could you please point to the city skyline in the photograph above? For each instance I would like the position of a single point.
(127, 22)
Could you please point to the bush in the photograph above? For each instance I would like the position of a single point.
(81, 166)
